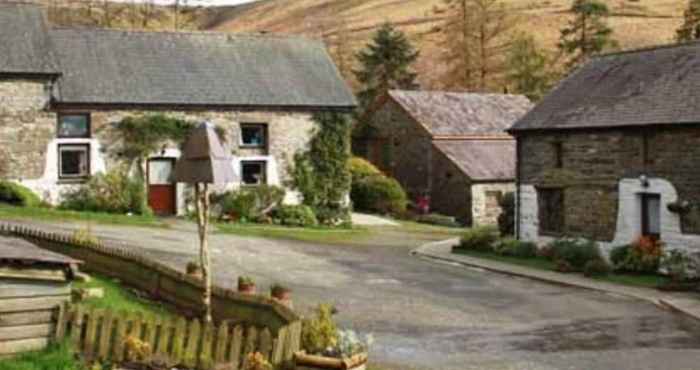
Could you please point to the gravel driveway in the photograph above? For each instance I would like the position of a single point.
(432, 317)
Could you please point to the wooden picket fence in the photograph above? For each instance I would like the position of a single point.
(102, 335)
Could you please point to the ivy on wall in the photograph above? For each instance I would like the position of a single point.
(321, 174)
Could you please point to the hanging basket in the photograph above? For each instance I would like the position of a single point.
(679, 207)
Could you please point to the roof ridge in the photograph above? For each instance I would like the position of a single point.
(648, 49)
(456, 92)
(185, 33)
(22, 3)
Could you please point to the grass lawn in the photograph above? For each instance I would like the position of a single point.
(306, 234)
(50, 214)
(119, 298)
(55, 357)
(637, 280)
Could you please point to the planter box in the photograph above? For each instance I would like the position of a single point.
(303, 361)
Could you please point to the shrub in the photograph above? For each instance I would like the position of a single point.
(575, 252)
(479, 238)
(17, 195)
(320, 332)
(299, 215)
(379, 194)
(642, 256)
(111, 192)
(361, 168)
(249, 203)
(333, 215)
(506, 220)
(597, 267)
(515, 248)
(438, 219)
(678, 265)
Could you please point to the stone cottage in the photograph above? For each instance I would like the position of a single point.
(62, 89)
(612, 153)
(451, 147)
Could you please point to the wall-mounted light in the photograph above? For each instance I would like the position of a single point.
(644, 181)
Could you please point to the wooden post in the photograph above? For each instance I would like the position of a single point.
(202, 205)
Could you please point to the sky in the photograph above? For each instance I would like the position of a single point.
(202, 2)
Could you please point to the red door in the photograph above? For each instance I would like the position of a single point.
(161, 188)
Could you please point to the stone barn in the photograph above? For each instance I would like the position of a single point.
(33, 284)
(451, 147)
(612, 153)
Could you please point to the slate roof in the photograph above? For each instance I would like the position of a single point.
(481, 160)
(458, 114)
(16, 249)
(24, 40)
(100, 66)
(644, 87)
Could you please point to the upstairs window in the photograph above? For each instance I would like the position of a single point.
(73, 161)
(253, 135)
(73, 126)
(254, 172)
(551, 210)
(558, 154)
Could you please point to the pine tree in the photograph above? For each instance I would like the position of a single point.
(690, 29)
(528, 68)
(587, 33)
(475, 41)
(385, 64)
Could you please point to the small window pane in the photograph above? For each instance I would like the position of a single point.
(160, 172)
(253, 135)
(74, 160)
(253, 173)
(73, 126)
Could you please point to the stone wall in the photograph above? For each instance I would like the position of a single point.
(29, 146)
(26, 127)
(485, 198)
(597, 167)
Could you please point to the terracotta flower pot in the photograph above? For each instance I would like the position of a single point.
(304, 361)
(246, 288)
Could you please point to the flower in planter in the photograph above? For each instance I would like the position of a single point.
(279, 291)
(246, 284)
(256, 361)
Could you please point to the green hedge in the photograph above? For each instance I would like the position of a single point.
(18, 195)
(299, 215)
(111, 192)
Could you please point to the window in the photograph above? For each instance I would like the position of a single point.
(651, 215)
(551, 210)
(74, 125)
(646, 152)
(254, 172)
(558, 154)
(73, 161)
(253, 135)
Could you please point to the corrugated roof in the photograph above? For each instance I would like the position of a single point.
(131, 67)
(24, 40)
(455, 114)
(652, 86)
(16, 249)
(481, 160)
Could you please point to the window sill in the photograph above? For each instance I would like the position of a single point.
(73, 181)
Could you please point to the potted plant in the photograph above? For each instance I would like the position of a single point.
(194, 269)
(246, 285)
(281, 294)
(327, 347)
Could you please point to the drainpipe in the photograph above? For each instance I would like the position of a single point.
(517, 187)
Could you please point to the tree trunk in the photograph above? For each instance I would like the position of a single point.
(202, 205)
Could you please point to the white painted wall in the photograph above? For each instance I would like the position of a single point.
(628, 226)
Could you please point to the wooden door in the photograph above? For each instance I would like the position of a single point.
(161, 187)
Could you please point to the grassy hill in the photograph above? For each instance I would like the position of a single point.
(636, 23)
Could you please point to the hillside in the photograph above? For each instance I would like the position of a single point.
(636, 23)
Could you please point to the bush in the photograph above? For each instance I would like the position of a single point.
(361, 168)
(678, 265)
(515, 248)
(506, 220)
(320, 332)
(111, 192)
(596, 267)
(479, 238)
(642, 256)
(575, 252)
(438, 219)
(299, 215)
(379, 194)
(18, 195)
(249, 203)
(335, 215)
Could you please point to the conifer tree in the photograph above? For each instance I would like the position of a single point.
(690, 29)
(529, 69)
(385, 64)
(587, 33)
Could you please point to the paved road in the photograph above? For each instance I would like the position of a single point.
(428, 316)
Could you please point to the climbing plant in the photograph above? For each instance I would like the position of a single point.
(320, 174)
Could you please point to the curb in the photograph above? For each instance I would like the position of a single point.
(660, 302)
